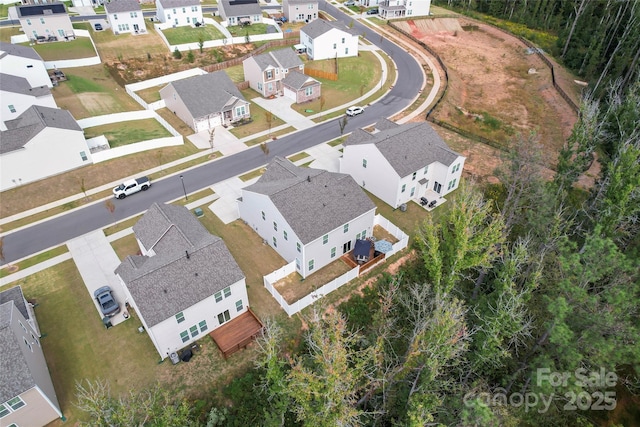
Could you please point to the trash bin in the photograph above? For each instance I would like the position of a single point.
(403, 207)
(106, 322)
(198, 212)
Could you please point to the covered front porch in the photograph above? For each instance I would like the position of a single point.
(237, 333)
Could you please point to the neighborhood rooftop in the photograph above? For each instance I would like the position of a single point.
(318, 27)
(297, 80)
(167, 4)
(408, 147)
(15, 375)
(118, 6)
(241, 7)
(312, 201)
(17, 84)
(41, 9)
(18, 50)
(281, 58)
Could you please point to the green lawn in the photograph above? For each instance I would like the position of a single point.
(134, 131)
(182, 35)
(258, 114)
(36, 259)
(81, 47)
(4, 9)
(251, 30)
(79, 84)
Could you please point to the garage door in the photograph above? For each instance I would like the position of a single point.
(290, 94)
(204, 124)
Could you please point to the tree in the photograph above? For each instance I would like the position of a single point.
(578, 9)
(190, 57)
(323, 100)
(268, 116)
(201, 43)
(212, 133)
(343, 123)
(111, 208)
(83, 188)
(177, 54)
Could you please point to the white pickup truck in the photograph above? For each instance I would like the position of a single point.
(131, 186)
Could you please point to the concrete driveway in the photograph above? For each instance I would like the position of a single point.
(96, 261)
(281, 107)
(226, 207)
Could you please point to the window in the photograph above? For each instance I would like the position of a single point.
(12, 108)
(42, 20)
(270, 87)
(263, 217)
(456, 168)
(364, 234)
(335, 46)
(413, 191)
(134, 14)
(275, 242)
(364, 163)
(115, 17)
(203, 326)
(269, 74)
(28, 21)
(180, 317)
(275, 226)
(346, 50)
(451, 185)
(16, 403)
(325, 239)
(188, 20)
(426, 169)
(174, 11)
(23, 328)
(284, 234)
(218, 296)
(4, 410)
(83, 156)
(35, 339)
(184, 10)
(227, 292)
(184, 336)
(239, 305)
(194, 8)
(343, 40)
(259, 85)
(27, 344)
(297, 264)
(345, 228)
(413, 177)
(224, 317)
(311, 265)
(333, 252)
(404, 187)
(358, 236)
(437, 187)
(298, 247)
(241, 110)
(194, 331)
(308, 91)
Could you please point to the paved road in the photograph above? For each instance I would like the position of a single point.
(58, 230)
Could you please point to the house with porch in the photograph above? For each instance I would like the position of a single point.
(27, 395)
(400, 163)
(45, 22)
(179, 13)
(185, 283)
(240, 12)
(206, 101)
(308, 215)
(300, 10)
(17, 96)
(125, 16)
(329, 39)
(280, 72)
(389, 9)
(24, 61)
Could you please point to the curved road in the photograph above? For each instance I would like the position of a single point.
(58, 230)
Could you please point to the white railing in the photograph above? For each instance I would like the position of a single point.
(403, 238)
(132, 88)
(125, 150)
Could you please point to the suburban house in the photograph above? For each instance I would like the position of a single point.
(27, 395)
(328, 40)
(45, 22)
(125, 16)
(389, 9)
(41, 142)
(24, 61)
(280, 72)
(186, 282)
(179, 13)
(240, 12)
(308, 215)
(399, 163)
(300, 10)
(17, 95)
(206, 101)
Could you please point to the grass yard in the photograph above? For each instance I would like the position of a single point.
(258, 114)
(381, 234)
(151, 94)
(36, 259)
(253, 174)
(408, 221)
(297, 157)
(4, 9)
(294, 287)
(79, 48)
(250, 30)
(126, 46)
(121, 225)
(182, 35)
(126, 246)
(236, 74)
(7, 32)
(124, 133)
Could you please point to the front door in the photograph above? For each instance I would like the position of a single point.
(346, 247)
(437, 187)
(136, 27)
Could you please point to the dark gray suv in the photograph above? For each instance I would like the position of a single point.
(107, 303)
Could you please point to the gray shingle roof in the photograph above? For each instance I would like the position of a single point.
(232, 8)
(26, 126)
(303, 2)
(169, 282)
(208, 93)
(385, 124)
(17, 84)
(409, 147)
(281, 58)
(167, 4)
(312, 201)
(19, 50)
(318, 27)
(296, 80)
(15, 375)
(15, 294)
(119, 6)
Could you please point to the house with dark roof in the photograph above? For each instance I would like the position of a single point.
(399, 163)
(39, 143)
(280, 72)
(240, 12)
(125, 16)
(186, 282)
(300, 10)
(45, 21)
(17, 95)
(27, 395)
(308, 215)
(179, 13)
(329, 39)
(206, 101)
(24, 61)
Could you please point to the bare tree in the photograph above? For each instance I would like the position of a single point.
(83, 188)
(343, 123)
(111, 208)
(323, 100)
(268, 116)
(212, 132)
(265, 148)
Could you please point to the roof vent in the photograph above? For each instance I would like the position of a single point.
(187, 253)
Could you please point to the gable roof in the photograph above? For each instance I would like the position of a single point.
(47, 9)
(166, 4)
(15, 294)
(318, 27)
(302, 1)
(18, 50)
(17, 84)
(15, 375)
(408, 147)
(312, 201)
(118, 6)
(190, 264)
(208, 93)
(240, 7)
(26, 126)
(296, 80)
(282, 58)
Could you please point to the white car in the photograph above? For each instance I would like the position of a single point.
(354, 111)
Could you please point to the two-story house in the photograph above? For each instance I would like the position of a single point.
(389, 9)
(186, 282)
(17, 96)
(399, 163)
(45, 22)
(179, 13)
(329, 39)
(125, 16)
(300, 10)
(24, 61)
(308, 215)
(240, 12)
(27, 395)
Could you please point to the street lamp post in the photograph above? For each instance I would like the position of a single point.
(183, 188)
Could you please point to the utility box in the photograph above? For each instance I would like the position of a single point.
(198, 212)
(174, 358)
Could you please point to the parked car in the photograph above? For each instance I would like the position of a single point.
(372, 11)
(354, 111)
(131, 186)
(98, 26)
(350, 3)
(107, 303)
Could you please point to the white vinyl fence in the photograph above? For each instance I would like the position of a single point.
(159, 81)
(403, 239)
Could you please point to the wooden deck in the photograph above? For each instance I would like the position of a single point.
(237, 333)
(348, 258)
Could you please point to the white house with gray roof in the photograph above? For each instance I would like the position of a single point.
(206, 101)
(179, 13)
(46, 21)
(389, 9)
(280, 72)
(17, 95)
(308, 215)
(236, 12)
(300, 10)
(329, 39)
(27, 395)
(41, 142)
(125, 17)
(399, 163)
(186, 282)
(24, 61)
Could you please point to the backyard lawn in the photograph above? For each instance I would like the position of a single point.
(294, 287)
(259, 118)
(250, 30)
(124, 133)
(81, 47)
(182, 35)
